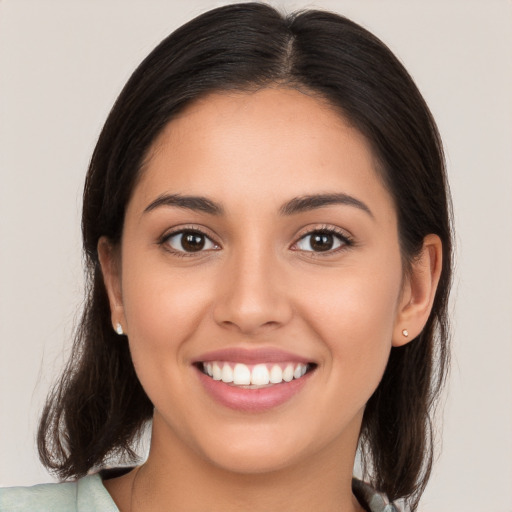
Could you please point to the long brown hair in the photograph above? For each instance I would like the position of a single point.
(98, 408)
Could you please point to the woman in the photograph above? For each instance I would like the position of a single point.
(266, 225)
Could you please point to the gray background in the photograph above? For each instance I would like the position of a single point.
(62, 64)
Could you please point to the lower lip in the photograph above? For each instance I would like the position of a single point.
(252, 400)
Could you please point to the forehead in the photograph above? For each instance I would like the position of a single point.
(273, 142)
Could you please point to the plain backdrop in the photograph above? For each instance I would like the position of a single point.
(62, 64)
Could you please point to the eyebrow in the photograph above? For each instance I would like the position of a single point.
(195, 203)
(292, 207)
(312, 202)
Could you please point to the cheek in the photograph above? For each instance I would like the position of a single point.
(354, 314)
(355, 303)
(161, 304)
(163, 309)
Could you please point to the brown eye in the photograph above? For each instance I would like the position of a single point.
(320, 241)
(190, 241)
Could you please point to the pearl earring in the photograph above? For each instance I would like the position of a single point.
(119, 329)
(405, 332)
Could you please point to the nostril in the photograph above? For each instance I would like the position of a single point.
(250, 324)
(250, 306)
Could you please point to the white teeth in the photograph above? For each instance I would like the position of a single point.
(260, 375)
(299, 371)
(227, 373)
(276, 374)
(217, 372)
(288, 373)
(257, 375)
(241, 375)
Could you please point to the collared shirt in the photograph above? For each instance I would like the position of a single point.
(88, 494)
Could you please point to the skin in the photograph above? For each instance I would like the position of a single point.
(259, 284)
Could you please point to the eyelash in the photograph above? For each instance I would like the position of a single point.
(345, 241)
(164, 241)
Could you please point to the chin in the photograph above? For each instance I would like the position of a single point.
(254, 462)
(263, 448)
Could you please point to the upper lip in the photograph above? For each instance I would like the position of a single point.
(252, 356)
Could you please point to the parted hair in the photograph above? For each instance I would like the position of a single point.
(98, 409)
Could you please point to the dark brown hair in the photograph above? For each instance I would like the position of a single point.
(98, 408)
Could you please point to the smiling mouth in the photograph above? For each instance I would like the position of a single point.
(254, 376)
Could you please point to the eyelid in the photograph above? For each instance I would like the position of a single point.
(346, 239)
(190, 228)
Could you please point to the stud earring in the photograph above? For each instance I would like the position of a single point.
(405, 332)
(119, 329)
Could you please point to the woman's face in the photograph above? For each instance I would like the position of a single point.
(259, 243)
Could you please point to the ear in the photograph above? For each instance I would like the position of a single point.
(418, 292)
(110, 262)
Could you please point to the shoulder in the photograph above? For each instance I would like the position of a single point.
(44, 497)
(84, 495)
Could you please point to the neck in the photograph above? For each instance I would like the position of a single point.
(178, 479)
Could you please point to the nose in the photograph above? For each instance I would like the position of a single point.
(252, 294)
